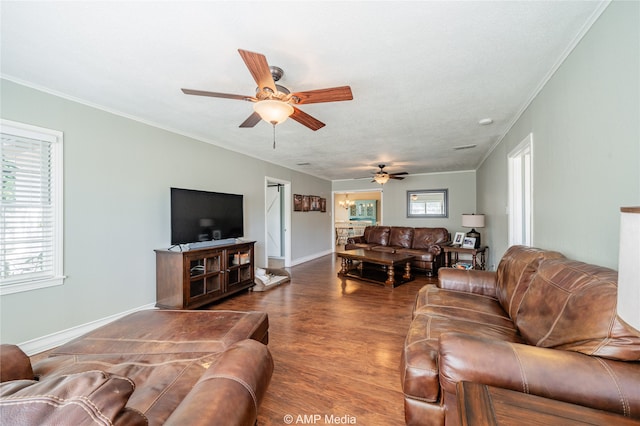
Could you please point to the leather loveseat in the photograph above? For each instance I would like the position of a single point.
(425, 244)
(151, 367)
(541, 324)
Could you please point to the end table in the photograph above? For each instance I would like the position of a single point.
(474, 252)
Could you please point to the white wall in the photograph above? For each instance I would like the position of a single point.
(117, 178)
(586, 146)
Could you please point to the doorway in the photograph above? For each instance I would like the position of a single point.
(347, 222)
(521, 193)
(277, 223)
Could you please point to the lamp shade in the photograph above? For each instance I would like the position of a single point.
(381, 178)
(273, 111)
(629, 267)
(473, 220)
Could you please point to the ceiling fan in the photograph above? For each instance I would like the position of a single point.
(273, 102)
(383, 177)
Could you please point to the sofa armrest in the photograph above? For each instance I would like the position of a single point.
(14, 364)
(551, 373)
(436, 249)
(356, 240)
(230, 391)
(471, 281)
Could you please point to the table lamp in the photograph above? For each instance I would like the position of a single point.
(473, 221)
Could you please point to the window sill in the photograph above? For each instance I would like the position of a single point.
(19, 287)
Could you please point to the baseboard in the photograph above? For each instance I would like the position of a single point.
(310, 257)
(50, 341)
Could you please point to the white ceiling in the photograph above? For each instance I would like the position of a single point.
(423, 73)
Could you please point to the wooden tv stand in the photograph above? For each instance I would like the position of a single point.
(193, 278)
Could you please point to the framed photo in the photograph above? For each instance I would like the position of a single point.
(297, 202)
(315, 203)
(306, 203)
(323, 205)
(458, 240)
(469, 242)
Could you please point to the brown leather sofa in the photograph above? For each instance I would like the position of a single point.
(541, 324)
(425, 244)
(151, 367)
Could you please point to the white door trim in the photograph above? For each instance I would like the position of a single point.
(520, 170)
(286, 212)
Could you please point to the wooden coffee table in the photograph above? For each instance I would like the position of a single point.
(375, 266)
(490, 406)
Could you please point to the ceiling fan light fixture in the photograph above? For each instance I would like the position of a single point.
(381, 178)
(273, 111)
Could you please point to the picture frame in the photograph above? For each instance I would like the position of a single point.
(309, 203)
(315, 203)
(469, 242)
(458, 240)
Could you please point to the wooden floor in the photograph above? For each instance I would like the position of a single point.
(336, 345)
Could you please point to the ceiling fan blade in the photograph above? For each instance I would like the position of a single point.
(306, 120)
(395, 177)
(333, 94)
(252, 120)
(217, 95)
(399, 173)
(259, 69)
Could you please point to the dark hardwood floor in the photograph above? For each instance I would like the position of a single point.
(336, 345)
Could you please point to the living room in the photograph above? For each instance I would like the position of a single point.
(118, 170)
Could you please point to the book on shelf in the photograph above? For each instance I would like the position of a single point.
(463, 265)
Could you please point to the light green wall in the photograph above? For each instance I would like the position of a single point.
(462, 197)
(118, 171)
(586, 142)
(117, 178)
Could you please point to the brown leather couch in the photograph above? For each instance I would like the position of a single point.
(151, 367)
(425, 244)
(541, 324)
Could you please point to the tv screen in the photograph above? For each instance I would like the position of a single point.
(203, 216)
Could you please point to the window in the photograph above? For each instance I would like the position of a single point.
(427, 203)
(30, 208)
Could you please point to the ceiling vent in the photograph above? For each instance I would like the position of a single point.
(460, 148)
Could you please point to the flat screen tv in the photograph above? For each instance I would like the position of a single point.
(204, 216)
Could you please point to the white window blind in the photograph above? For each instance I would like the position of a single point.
(30, 207)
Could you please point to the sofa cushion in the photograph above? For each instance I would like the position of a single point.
(515, 271)
(401, 236)
(418, 255)
(385, 249)
(461, 305)
(356, 246)
(86, 398)
(424, 238)
(419, 364)
(437, 312)
(571, 305)
(378, 235)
